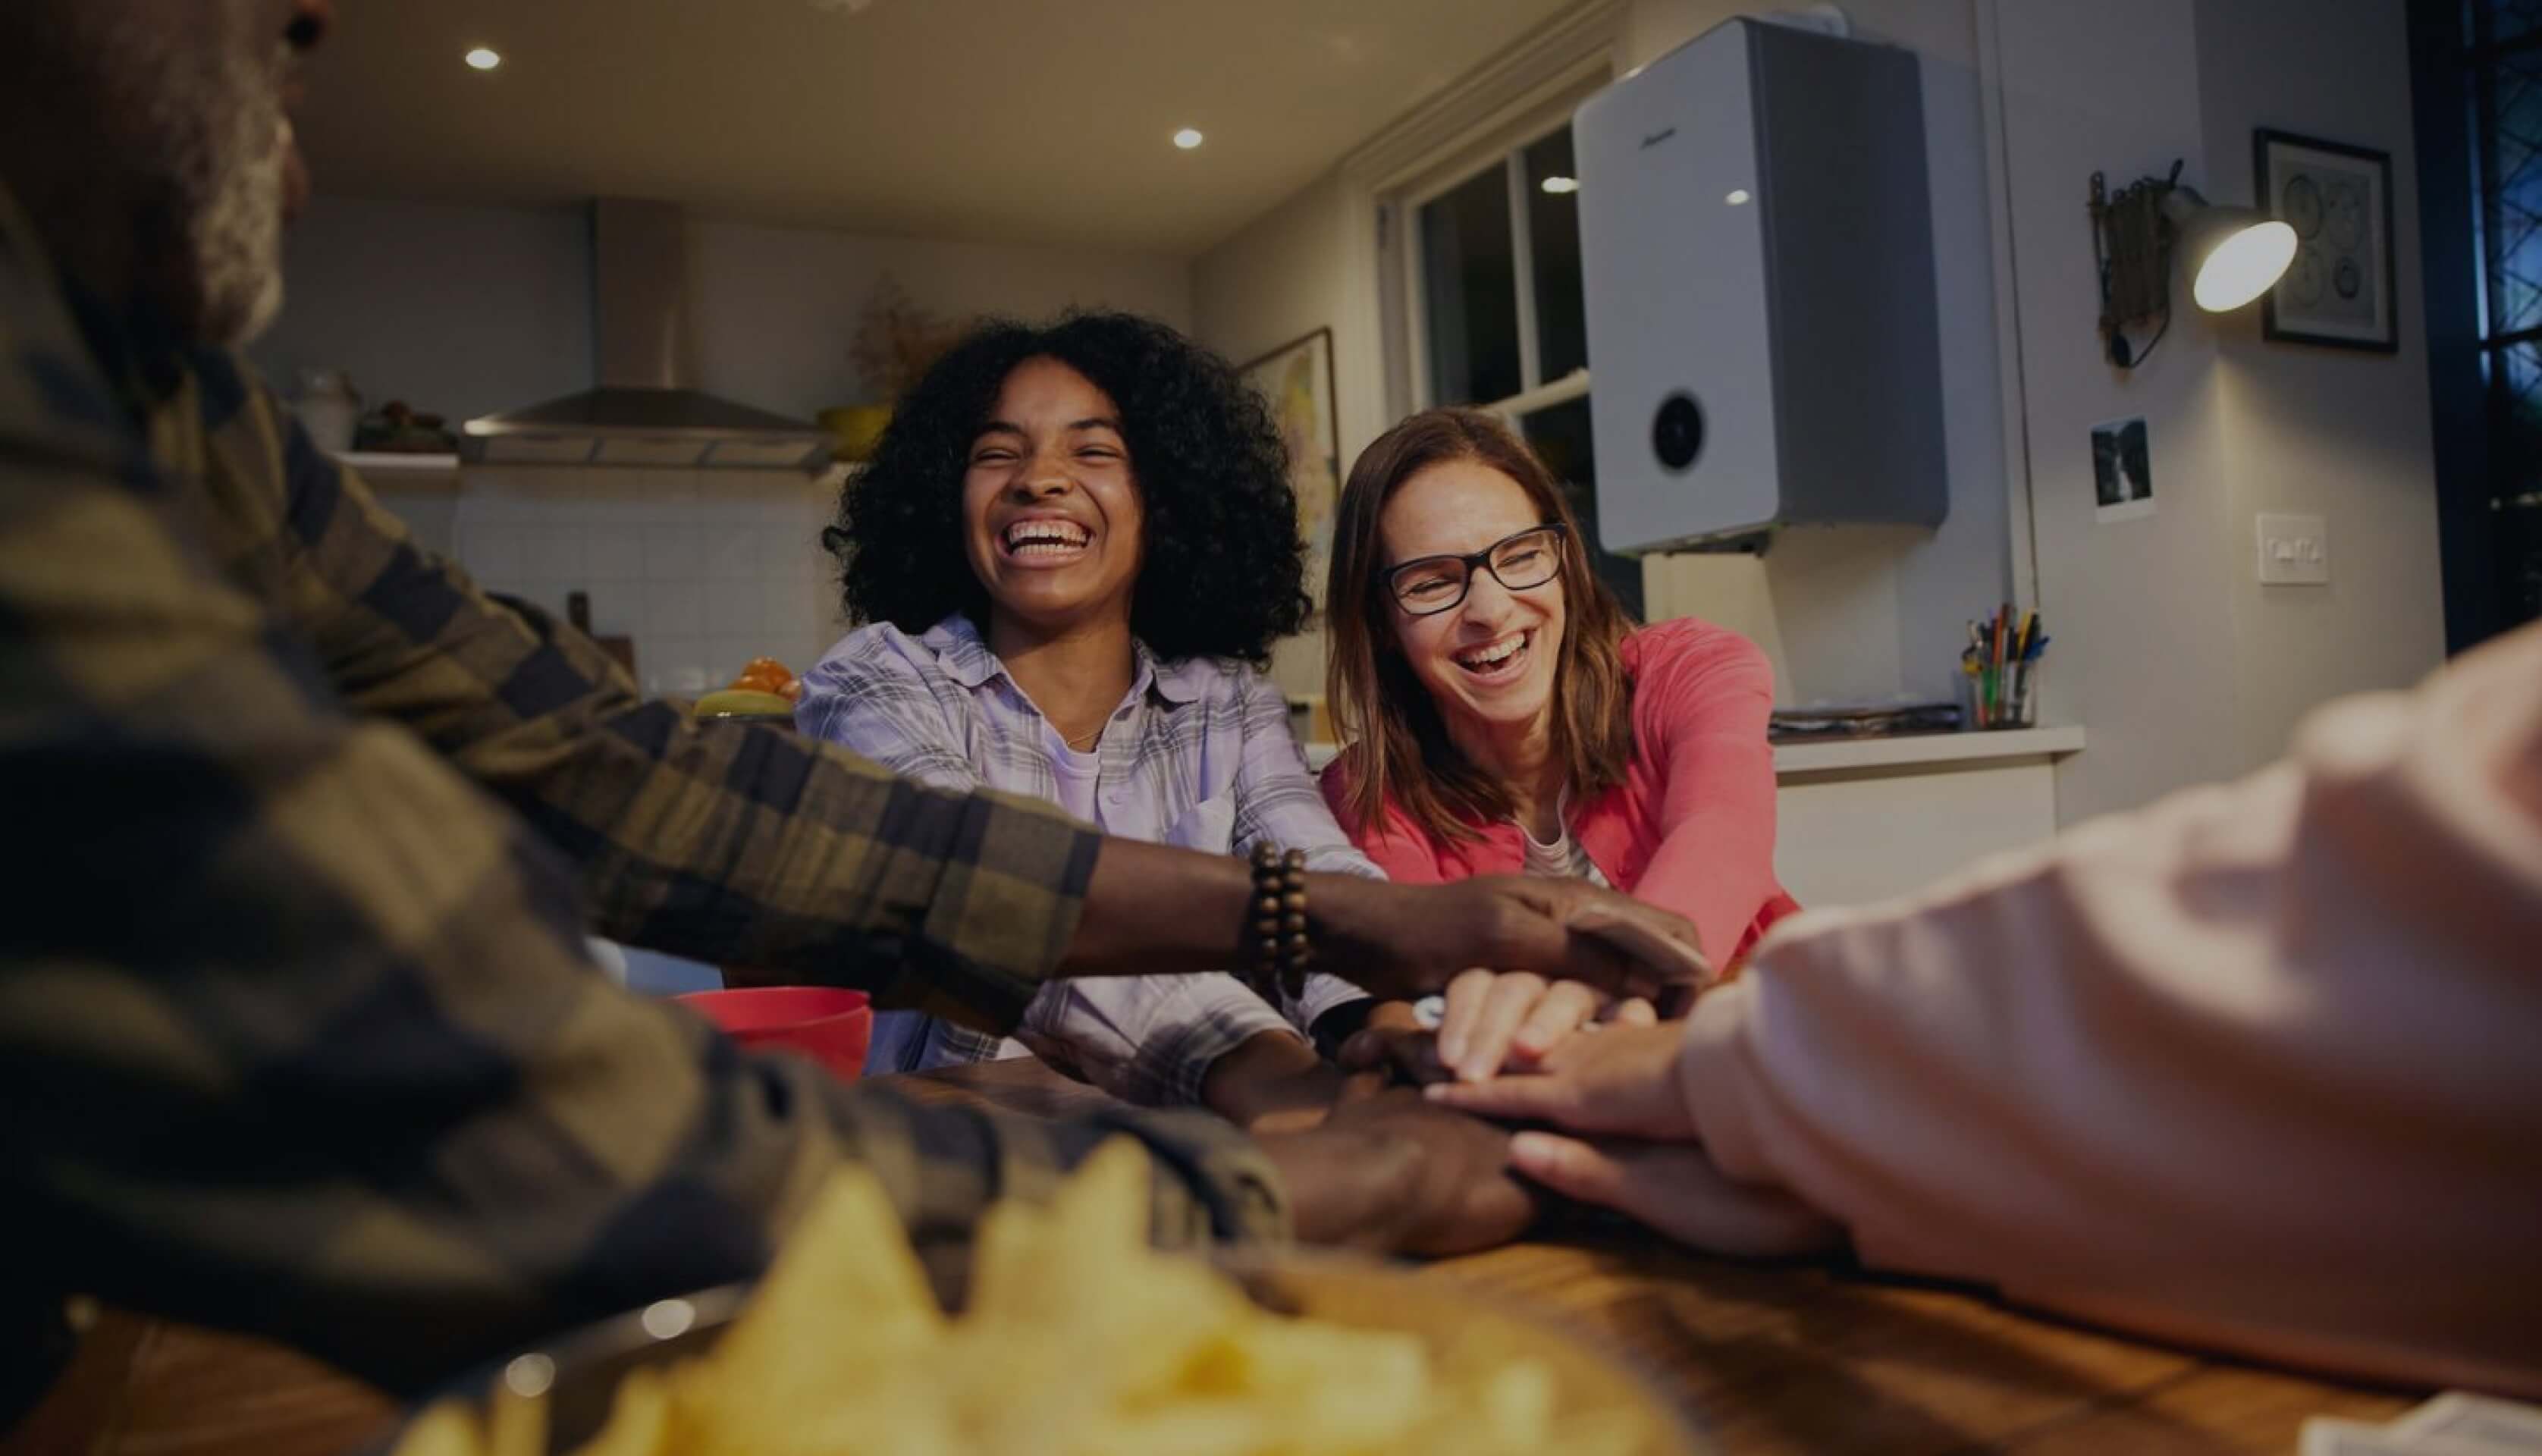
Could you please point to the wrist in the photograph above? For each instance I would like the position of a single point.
(1357, 922)
(1271, 1082)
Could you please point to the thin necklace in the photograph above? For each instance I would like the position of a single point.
(1083, 741)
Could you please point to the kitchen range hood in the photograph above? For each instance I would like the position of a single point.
(643, 412)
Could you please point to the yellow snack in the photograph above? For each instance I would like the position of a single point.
(445, 1429)
(1078, 1340)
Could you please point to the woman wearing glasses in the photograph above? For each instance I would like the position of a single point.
(1505, 715)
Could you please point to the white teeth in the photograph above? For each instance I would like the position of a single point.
(1045, 538)
(1492, 654)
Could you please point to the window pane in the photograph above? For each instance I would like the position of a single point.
(1469, 290)
(1553, 242)
(2493, 21)
(2512, 223)
(1560, 436)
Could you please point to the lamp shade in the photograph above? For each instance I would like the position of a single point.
(2231, 255)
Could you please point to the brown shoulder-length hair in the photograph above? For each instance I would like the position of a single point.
(1401, 749)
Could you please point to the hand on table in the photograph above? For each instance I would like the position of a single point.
(1619, 1086)
(1390, 1173)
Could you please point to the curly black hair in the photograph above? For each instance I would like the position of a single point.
(1224, 572)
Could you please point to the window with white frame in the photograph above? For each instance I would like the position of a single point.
(1493, 314)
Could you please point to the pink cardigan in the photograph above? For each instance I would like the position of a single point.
(1691, 828)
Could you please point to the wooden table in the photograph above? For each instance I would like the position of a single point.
(1767, 1358)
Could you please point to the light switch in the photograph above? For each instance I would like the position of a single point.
(2294, 550)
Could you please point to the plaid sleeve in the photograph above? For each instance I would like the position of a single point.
(1278, 800)
(297, 1033)
(869, 697)
(1150, 1040)
(723, 843)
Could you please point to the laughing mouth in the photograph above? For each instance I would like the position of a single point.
(1027, 541)
(1498, 657)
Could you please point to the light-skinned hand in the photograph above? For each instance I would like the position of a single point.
(1619, 1081)
(1496, 1020)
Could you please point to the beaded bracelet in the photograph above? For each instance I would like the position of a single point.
(1279, 916)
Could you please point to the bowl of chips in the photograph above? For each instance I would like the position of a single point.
(1075, 1339)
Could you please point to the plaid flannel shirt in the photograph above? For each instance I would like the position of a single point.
(1198, 756)
(297, 1030)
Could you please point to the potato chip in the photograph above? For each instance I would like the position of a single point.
(445, 1429)
(1078, 1340)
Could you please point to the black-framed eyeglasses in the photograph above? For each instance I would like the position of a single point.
(1428, 585)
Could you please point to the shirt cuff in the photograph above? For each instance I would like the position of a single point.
(1172, 1070)
(1007, 897)
(1323, 993)
(1710, 1070)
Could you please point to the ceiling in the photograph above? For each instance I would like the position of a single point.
(1014, 121)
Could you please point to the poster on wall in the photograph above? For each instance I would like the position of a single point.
(1297, 379)
(2337, 198)
(2122, 471)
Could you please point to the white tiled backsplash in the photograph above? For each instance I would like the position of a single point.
(705, 569)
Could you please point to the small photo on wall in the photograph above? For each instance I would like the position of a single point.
(2337, 198)
(2122, 471)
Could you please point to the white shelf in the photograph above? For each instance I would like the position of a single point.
(2053, 741)
(406, 469)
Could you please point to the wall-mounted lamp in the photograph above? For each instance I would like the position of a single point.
(2231, 254)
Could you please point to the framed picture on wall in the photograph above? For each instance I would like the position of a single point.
(2339, 200)
(1297, 379)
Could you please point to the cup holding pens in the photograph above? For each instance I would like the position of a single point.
(1996, 699)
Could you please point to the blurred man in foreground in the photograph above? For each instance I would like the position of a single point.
(297, 1029)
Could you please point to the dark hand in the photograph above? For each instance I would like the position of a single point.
(1407, 940)
(1392, 1048)
(1393, 1174)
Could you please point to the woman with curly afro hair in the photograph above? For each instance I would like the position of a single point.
(1072, 552)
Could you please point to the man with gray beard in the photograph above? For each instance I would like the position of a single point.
(298, 1033)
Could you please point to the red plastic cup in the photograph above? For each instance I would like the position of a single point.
(832, 1027)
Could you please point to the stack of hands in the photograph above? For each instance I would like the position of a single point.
(1528, 1094)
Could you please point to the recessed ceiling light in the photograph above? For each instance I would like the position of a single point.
(1558, 185)
(1739, 197)
(1187, 138)
(483, 59)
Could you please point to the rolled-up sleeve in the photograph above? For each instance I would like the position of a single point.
(725, 842)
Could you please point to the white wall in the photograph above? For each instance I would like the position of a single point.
(2140, 610)
(460, 311)
(2182, 666)
(777, 307)
(2331, 432)
(457, 311)
(1287, 274)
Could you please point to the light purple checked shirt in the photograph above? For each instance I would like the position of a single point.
(1198, 756)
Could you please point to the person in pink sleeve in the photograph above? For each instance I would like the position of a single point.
(1505, 715)
(2256, 1067)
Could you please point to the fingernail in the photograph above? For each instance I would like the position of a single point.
(1438, 1091)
